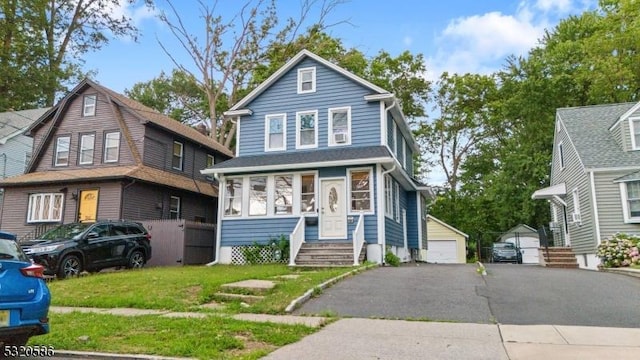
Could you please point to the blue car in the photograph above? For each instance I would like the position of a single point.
(24, 296)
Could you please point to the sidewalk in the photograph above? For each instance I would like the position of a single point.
(400, 339)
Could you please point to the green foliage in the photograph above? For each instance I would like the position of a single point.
(253, 254)
(391, 258)
(620, 251)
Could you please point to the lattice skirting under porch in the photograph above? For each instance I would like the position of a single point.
(251, 254)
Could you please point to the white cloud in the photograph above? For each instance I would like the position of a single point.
(136, 12)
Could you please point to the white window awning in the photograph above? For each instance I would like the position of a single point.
(555, 192)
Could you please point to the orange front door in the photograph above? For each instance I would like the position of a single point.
(88, 207)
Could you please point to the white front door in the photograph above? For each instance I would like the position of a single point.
(333, 209)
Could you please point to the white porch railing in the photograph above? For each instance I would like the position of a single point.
(295, 241)
(358, 240)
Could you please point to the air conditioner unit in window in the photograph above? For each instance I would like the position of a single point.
(575, 218)
(340, 138)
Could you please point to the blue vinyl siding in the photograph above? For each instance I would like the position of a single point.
(393, 229)
(412, 220)
(409, 155)
(390, 125)
(246, 231)
(332, 90)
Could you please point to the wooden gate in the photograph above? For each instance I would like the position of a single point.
(180, 242)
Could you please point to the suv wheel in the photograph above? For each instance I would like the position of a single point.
(70, 266)
(136, 260)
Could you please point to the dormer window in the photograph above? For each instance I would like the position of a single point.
(306, 80)
(634, 125)
(89, 105)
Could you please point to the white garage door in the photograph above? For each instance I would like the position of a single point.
(442, 252)
(529, 247)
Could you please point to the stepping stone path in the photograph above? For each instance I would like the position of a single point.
(254, 288)
(288, 277)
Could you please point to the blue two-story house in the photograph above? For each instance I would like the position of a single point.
(323, 158)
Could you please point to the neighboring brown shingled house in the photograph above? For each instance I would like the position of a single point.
(100, 155)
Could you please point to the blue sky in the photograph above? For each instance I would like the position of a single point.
(455, 35)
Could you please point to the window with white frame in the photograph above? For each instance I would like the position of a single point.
(388, 196)
(89, 105)
(634, 127)
(275, 132)
(62, 151)
(361, 190)
(306, 129)
(45, 207)
(177, 156)
(174, 207)
(308, 193)
(340, 126)
(631, 198)
(211, 160)
(396, 195)
(111, 147)
(258, 195)
(561, 155)
(283, 195)
(306, 80)
(87, 144)
(233, 197)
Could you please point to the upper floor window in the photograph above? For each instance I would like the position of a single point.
(306, 129)
(361, 190)
(45, 207)
(634, 125)
(275, 132)
(89, 105)
(62, 151)
(258, 195)
(308, 193)
(87, 143)
(176, 159)
(631, 200)
(561, 155)
(340, 126)
(174, 207)
(306, 80)
(211, 160)
(111, 147)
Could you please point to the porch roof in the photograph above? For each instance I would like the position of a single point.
(342, 156)
(555, 192)
(634, 176)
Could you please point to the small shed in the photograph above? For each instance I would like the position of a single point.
(445, 244)
(526, 238)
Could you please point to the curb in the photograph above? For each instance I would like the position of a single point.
(307, 295)
(628, 272)
(99, 355)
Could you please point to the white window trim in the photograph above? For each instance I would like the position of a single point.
(213, 160)
(396, 195)
(82, 138)
(628, 219)
(49, 217)
(241, 195)
(89, 109)
(371, 211)
(315, 192)
(178, 216)
(634, 146)
(266, 205)
(106, 135)
(561, 155)
(267, 119)
(297, 196)
(388, 196)
(315, 127)
(331, 140)
(181, 156)
(57, 159)
(313, 80)
(576, 205)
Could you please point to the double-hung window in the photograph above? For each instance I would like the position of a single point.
(174, 207)
(308, 194)
(62, 151)
(283, 195)
(275, 132)
(233, 197)
(45, 207)
(177, 156)
(111, 147)
(631, 198)
(306, 80)
(340, 126)
(258, 195)
(388, 196)
(396, 195)
(87, 144)
(89, 105)
(306, 129)
(361, 190)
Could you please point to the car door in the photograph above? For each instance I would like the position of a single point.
(97, 246)
(122, 243)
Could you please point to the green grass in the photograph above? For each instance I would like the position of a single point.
(212, 338)
(184, 288)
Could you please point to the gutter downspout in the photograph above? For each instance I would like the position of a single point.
(218, 223)
(386, 124)
(384, 239)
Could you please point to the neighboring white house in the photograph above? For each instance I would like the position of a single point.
(526, 238)
(445, 244)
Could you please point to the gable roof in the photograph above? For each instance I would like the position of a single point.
(13, 123)
(431, 217)
(588, 129)
(143, 113)
(295, 61)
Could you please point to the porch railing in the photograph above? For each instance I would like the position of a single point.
(358, 240)
(295, 241)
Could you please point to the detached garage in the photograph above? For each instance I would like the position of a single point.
(526, 238)
(445, 244)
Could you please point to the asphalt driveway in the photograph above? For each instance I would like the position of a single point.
(509, 294)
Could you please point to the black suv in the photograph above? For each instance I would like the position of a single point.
(69, 249)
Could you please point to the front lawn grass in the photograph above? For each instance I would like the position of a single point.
(214, 337)
(185, 288)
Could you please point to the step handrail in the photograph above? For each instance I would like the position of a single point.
(358, 240)
(295, 241)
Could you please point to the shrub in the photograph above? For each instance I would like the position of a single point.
(391, 258)
(621, 250)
